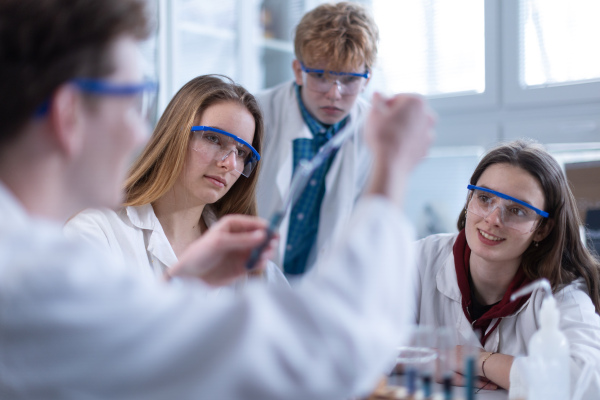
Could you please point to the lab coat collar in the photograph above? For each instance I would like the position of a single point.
(297, 128)
(446, 280)
(142, 217)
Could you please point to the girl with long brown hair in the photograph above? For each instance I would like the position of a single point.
(520, 223)
(201, 163)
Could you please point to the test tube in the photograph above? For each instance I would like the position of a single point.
(469, 357)
(426, 341)
(410, 366)
(446, 357)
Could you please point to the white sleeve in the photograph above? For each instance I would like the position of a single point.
(581, 325)
(87, 225)
(274, 276)
(73, 331)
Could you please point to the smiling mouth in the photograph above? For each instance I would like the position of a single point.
(489, 237)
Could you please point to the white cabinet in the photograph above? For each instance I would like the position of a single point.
(247, 40)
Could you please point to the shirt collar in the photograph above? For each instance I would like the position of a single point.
(143, 216)
(315, 126)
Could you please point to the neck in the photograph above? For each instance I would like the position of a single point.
(182, 223)
(38, 180)
(491, 280)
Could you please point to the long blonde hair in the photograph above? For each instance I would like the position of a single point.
(161, 162)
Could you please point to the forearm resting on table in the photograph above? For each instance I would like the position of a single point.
(496, 368)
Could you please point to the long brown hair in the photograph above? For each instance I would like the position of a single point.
(162, 160)
(561, 257)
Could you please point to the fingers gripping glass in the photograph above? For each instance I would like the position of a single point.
(321, 81)
(513, 213)
(219, 145)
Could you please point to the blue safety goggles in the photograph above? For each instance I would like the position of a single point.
(336, 73)
(220, 144)
(507, 197)
(146, 91)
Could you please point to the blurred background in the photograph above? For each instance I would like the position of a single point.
(494, 70)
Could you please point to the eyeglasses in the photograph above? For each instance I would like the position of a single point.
(514, 213)
(218, 145)
(321, 81)
(144, 92)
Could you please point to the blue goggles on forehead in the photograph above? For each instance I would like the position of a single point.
(336, 73)
(254, 156)
(507, 197)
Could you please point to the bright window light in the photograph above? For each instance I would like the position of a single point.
(432, 47)
(559, 42)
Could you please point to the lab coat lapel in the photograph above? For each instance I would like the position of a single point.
(158, 246)
(339, 194)
(447, 285)
(295, 128)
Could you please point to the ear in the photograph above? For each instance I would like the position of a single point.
(297, 68)
(541, 233)
(66, 119)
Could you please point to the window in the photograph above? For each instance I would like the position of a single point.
(205, 39)
(555, 42)
(433, 47)
(550, 52)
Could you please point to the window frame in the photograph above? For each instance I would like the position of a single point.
(517, 96)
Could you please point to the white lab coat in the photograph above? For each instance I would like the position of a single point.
(439, 304)
(135, 237)
(345, 179)
(74, 326)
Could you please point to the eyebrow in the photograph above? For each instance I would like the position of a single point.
(218, 127)
(496, 190)
(225, 130)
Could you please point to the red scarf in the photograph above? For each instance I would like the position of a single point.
(504, 308)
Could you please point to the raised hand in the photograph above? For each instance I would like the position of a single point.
(399, 131)
(219, 256)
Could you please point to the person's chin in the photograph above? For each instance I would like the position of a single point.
(330, 118)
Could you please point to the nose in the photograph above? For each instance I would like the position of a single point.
(139, 129)
(335, 91)
(227, 160)
(495, 216)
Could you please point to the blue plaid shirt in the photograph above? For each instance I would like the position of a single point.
(304, 217)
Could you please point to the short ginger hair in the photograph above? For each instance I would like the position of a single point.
(342, 35)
